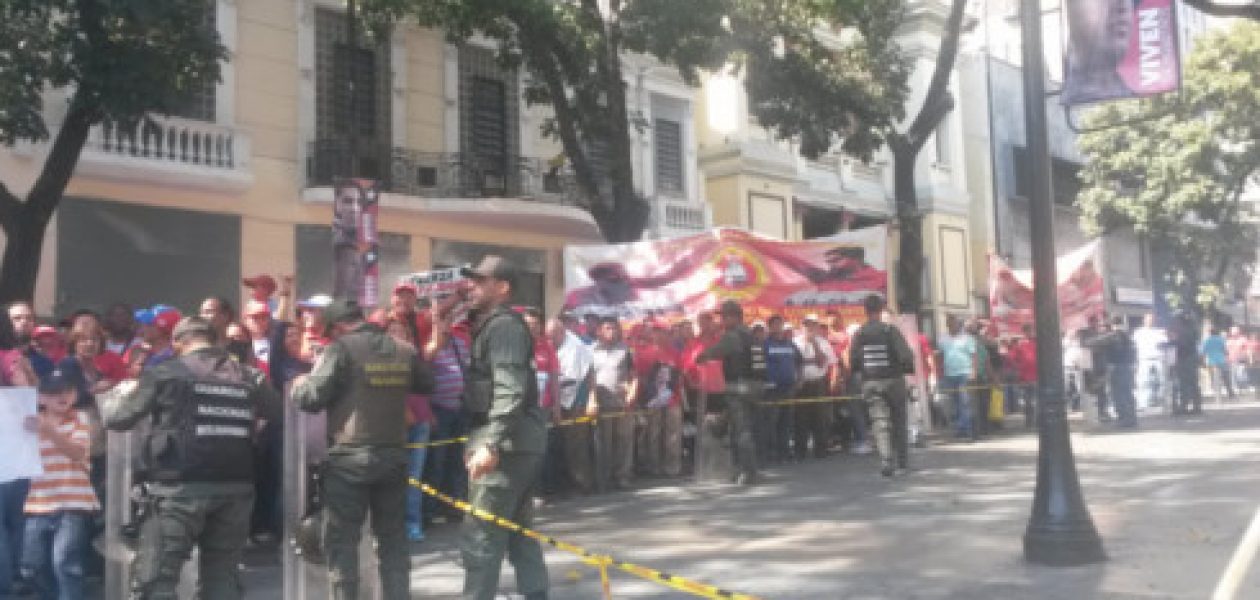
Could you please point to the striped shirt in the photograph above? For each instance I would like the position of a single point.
(64, 484)
(448, 373)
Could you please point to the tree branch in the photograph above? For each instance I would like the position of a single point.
(1246, 10)
(929, 116)
(10, 206)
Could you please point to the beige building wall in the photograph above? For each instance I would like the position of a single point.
(265, 104)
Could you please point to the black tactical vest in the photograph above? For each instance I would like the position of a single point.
(479, 376)
(881, 356)
(203, 431)
(740, 366)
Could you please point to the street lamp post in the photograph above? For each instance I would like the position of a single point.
(1060, 530)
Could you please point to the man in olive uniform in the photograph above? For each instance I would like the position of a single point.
(743, 388)
(880, 353)
(507, 438)
(204, 407)
(362, 379)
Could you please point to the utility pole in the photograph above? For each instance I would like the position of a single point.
(1060, 531)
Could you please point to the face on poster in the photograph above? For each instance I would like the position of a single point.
(682, 277)
(356, 250)
(1120, 49)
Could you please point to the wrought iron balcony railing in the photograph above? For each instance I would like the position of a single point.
(443, 175)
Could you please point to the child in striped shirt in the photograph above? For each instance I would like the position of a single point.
(61, 502)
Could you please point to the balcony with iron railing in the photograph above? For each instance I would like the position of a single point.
(163, 150)
(444, 175)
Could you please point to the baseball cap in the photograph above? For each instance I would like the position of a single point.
(492, 266)
(342, 310)
(265, 282)
(192, 326)
(55, 382)
(166, 319)
(316, 302)
(811, 318)
(406, 286)
(42, 330)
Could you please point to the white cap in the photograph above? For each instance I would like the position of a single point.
(811, 317)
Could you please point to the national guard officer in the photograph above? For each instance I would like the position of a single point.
(362, 379)
(881, 355)
(744, 387)
(507, 438)
(198, 462)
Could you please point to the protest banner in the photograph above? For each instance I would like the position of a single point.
(681, 277)
(1120, 49)
(356, 249)
(1081, 291)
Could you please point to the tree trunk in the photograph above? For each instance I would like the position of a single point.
(24, 223)
(910, 227)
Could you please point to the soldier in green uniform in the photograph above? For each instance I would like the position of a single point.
(880, 353)
(362, 379)
(198, 463)
(744, 385)
(507, 438)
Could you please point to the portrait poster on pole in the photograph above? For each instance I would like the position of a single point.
(356, 248)
(1120, 49)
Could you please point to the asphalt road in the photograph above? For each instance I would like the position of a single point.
(1170, 501)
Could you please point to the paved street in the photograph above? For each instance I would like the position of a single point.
(1170, 501)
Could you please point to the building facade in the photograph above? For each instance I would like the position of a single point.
(241, 182)
(764, 185)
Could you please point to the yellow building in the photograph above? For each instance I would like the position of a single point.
(762, 184)
(240, 182)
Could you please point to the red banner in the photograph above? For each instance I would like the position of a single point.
(356, 249)
(684, 276)
(1081, 291)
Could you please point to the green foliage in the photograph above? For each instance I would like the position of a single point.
(121, 58)
(1179, 166)
(572, 49)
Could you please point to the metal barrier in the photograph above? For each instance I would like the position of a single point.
(305, 447)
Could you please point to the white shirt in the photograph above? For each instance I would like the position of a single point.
(810, 370)
(576, 360)
(1148, 341)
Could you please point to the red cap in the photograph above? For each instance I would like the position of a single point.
(44, 330)
(265, 282)
(167, 320)
(406, 287)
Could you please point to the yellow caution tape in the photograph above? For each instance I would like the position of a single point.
(631, 413)
(594, 559)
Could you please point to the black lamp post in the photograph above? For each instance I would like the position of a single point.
(1060, 530)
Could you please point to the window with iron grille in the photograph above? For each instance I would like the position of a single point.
(197, 102)
(352, 99)
(489, 123)
(669, 156)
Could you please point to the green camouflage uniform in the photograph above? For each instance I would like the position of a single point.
(362, 380)
(213, 516)
(502, 398)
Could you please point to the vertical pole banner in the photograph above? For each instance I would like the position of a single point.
(356, 246)
(1120, 49)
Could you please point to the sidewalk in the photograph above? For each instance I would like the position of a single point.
(1170, 500)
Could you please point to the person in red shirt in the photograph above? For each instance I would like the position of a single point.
(657, 365)
(1024, 355)
(706, 377)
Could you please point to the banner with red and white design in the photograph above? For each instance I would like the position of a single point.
(1081, 291)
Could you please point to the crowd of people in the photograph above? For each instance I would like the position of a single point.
(626, 401)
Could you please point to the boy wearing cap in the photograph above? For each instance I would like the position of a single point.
(61, 502)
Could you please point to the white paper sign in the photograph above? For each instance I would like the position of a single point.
(21, 449)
